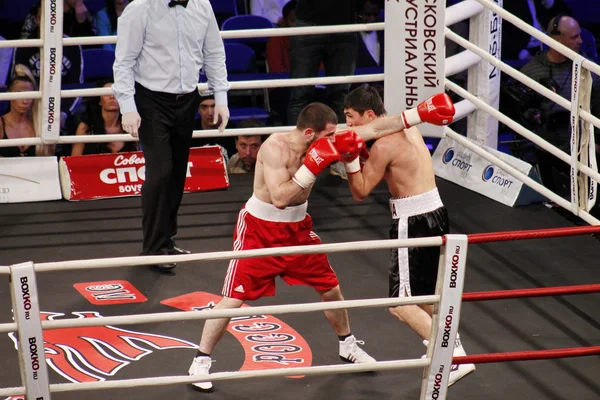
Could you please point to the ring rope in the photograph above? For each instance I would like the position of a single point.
(434, 241)
(527, 355)
(547, 40)
(524, 79)
(513, 72)
(521, 176)
(310, 249)
(178, 316)
(531, 292)
(223, 376)
(526, 133)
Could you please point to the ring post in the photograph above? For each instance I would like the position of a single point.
(24, 294)
(444, 326)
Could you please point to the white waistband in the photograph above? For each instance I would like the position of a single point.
(269, 212)
(415, 205)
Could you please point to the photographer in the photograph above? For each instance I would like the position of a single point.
(554, 70)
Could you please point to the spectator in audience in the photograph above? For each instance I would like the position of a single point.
(278, 47)
(102, 117)
(106, 19)
(521, 45)
(270, 9)
(72, 66)
(77, 20)
(247, 149)
(337, 52)
(554, 70)
(206, 109)
(371, 45)
(19, 121)
(245, 158)
(5, 61)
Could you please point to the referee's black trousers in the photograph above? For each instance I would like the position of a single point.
(165, 135)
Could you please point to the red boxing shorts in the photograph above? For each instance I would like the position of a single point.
(261, 225)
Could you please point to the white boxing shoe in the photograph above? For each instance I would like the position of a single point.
(201, 366)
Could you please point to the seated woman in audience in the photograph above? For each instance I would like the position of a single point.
(102, 117)
(106, 19)
(18, 122)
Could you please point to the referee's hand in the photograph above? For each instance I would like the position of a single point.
(131, 122)
(221, 111)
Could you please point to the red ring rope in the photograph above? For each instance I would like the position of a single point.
(527, 355)
(532, 234)
(535, 292)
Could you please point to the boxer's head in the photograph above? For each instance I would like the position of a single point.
(362, 105)
(315, 121)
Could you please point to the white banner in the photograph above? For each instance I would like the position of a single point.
(414, 55)
(460, 165)
(443, 336)
(51, 69)
(27, 179)
(26, 309)
(484, 79)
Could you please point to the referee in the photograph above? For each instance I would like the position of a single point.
(161, 47)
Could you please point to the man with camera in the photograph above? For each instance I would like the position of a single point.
(546, 118)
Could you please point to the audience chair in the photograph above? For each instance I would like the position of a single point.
(97, 64)
(240, 59)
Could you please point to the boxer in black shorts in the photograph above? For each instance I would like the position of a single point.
(404, 161)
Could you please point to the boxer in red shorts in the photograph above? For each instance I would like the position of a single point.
(286, 168)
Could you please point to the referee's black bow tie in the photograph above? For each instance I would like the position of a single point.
(174, 3)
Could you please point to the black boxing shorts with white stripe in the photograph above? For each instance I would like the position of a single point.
(413, 271)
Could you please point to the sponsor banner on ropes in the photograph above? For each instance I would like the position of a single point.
(26, 179)
(460, 165)
(122, 174)
(268, 342)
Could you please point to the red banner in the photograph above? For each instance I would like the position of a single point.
(122, 174)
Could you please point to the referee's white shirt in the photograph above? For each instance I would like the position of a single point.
(164, 49)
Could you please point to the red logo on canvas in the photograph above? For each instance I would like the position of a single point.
(268, 342)
(110, 292)
(91, 354)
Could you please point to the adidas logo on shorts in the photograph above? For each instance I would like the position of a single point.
(239, 289)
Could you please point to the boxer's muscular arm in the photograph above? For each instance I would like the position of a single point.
(379, 127)
(436, 110)
(363, 183)
(277, 177)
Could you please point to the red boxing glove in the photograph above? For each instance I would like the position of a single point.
(320, 155)
(436, 110)
(349, 145)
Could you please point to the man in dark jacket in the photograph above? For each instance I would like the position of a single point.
(553, 70)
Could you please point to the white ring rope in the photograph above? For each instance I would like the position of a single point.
(223, 376)
(526, 133)
(435, 241)
(178, 316)
(524, 79)
(519, 175)
(590, 65)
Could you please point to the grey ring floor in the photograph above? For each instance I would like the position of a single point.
(61, 230)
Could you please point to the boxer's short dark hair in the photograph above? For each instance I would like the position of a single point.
(364, 98)
(316, 116)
